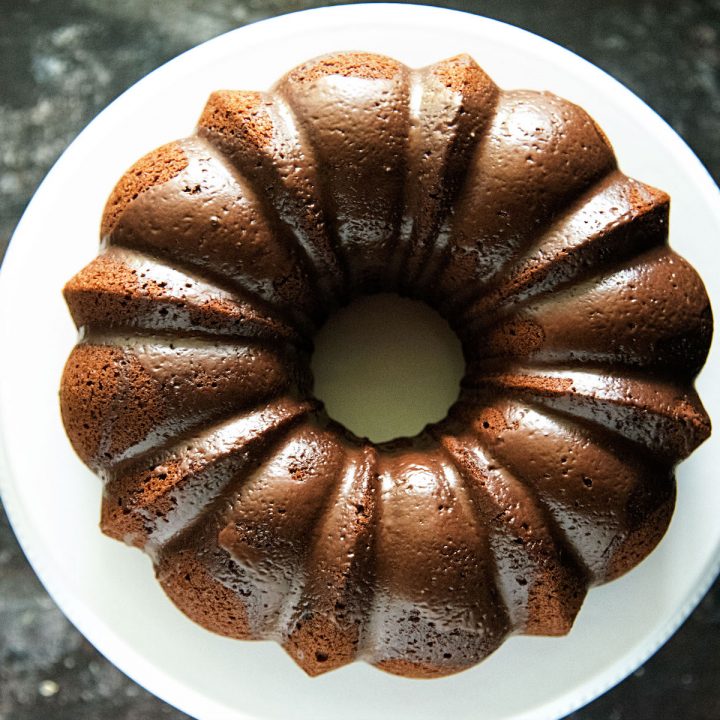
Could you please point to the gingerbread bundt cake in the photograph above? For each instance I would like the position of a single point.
(190, 393)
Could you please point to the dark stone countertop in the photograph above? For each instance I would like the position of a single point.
(64, 60)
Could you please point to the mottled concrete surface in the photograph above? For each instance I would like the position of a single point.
(62, 61)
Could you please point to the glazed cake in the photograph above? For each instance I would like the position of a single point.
(190, 394)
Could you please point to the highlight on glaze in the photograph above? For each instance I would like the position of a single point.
(190, 394)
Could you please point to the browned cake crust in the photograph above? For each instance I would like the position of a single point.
(190, 392)
(156, 168)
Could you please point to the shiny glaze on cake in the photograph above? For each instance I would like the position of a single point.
(190, 393)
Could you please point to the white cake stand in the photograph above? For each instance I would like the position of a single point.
(108, 591)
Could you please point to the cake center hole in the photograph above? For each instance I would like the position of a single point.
(386, 366)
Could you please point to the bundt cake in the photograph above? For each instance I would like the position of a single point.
(190, 394)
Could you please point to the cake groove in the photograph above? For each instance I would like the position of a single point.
(570, 252)
(138, 498)
(586, 476)
(614, 319)
(243, 125)
(268, 524)
(659, 415)
(528, 540)
(338, 267)
(357, 126)
(124, 288)
(156, 391)
(299, 324)
(325, 631)
(295, 263)
(526, 171)
(436, 606)
(451, 103)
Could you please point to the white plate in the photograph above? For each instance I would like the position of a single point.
(108, 591)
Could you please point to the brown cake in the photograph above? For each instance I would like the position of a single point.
(190, 393)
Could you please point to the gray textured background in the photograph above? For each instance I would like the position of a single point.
(62, 61)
